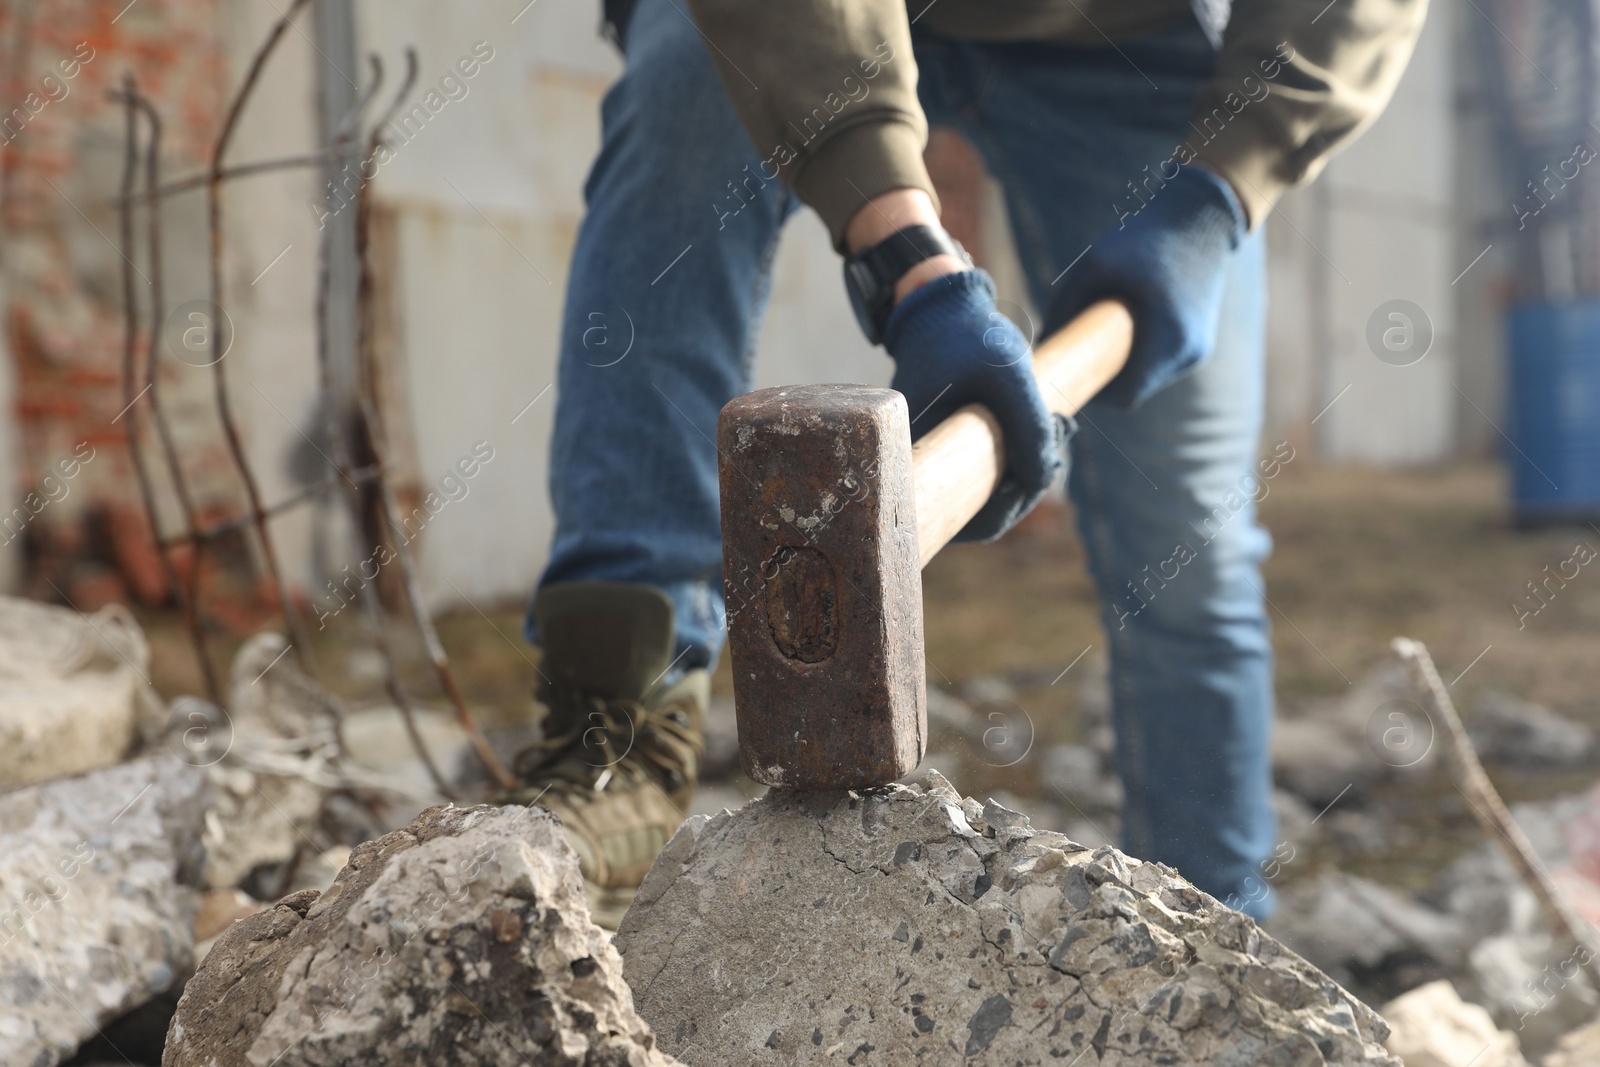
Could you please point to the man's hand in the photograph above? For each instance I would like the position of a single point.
(1167, 263)
(952, 347)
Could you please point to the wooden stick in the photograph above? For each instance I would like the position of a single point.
(1489, 809)
(957, 466)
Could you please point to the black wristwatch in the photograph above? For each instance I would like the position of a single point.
(870, 274)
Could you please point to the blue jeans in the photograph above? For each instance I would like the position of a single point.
(1162, 493)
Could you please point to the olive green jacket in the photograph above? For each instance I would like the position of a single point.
(827, 88)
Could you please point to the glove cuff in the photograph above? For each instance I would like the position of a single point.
(934, 303)
(1225, 205)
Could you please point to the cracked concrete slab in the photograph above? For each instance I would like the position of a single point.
(98, 879)
(912, 925)
(463, 939)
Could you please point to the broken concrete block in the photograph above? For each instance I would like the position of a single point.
(265, 756)
(97, 900)
(376, 738)
(911, 925)
(1318, 760)
(462, 939)
(220, 909)
(1296, 820)
(1533, 983)
(73, 695)
(1079, 772)
(1530, 982)
(255, 821)
(1431, 1026)
(1344, 744)
(1339, 920)
(1580, 1048)
(1507, 729)
(710, 799)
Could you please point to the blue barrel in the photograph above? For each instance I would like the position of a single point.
(1554, 411)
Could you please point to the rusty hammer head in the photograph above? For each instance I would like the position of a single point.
(823, 585)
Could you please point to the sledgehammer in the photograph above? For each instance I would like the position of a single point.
(829, 515)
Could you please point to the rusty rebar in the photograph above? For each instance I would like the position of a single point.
(239, 170)
(187, 592)
(339, 441)
(130, 363)
(1490, 810)
(216, 530)
(372, 428)
(368, 422)
(300, 637)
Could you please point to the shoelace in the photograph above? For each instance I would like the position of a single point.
(610, 741)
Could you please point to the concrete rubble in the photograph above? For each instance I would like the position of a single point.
(462, 939)
(98, 882)
(1333, 747)
(1339, 921)
(72, 690)
(904, 925)
(275, 757)
(1530, 981)
(1081, 773)
(1433, 1027)
(1317, 759)
(375, 738)
(1580, 1048)
(912, 922)
(1509, 730)
(1479, 926)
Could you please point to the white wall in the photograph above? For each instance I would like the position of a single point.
(481, 283)
(272, 366)
(1379, 226)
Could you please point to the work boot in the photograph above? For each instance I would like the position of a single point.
(622, 743)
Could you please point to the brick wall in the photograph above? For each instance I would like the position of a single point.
(60, 163)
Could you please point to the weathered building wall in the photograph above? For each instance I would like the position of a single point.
(486, 203)
(476, 215)
(62, 269)
(1377, 227)
(62, 263)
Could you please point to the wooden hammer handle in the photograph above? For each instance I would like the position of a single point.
(957, 466)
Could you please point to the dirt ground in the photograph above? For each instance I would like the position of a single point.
(1361, 556)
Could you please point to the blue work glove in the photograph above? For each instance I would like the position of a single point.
(1167, 264)
(952, 347)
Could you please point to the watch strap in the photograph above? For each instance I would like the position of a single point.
(874, 270)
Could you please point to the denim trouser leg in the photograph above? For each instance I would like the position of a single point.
(663, 305)
(633, 471)
(1064, 130)
(1177, 562)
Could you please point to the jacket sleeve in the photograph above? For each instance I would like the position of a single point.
(827, 90)
(1296, 80)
